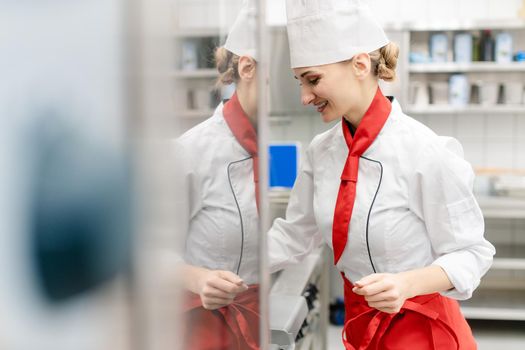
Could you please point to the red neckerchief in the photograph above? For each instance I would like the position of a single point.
(244, 133)
(368, 129)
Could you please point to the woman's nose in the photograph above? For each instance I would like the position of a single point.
(306, 96)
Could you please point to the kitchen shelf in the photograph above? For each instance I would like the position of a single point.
(510, 257)
(508, 263)
(200, 32)
(452, 67)
(493, 313)
(475, 109)
(196, 114)
(502, 283)
(452, 25)
(502, 207)
(279, 197)
(197, 73)
(505, 305)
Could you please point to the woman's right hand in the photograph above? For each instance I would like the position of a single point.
(218, 288)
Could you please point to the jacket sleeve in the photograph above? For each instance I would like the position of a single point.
(293, 238)
(441, 195)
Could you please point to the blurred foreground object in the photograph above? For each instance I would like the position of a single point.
(80, 210)
(64, 185)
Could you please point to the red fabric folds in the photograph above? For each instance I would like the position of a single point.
(425, 322)
(365, 134)
(233, 327)
(244, 133)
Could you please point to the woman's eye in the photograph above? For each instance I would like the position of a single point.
(313, 81)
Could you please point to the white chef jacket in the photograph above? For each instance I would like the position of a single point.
(414, 207)
(219, 190)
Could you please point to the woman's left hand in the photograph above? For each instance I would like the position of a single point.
(385, 292)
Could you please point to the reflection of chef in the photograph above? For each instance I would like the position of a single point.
(392, 199)
(220, 158)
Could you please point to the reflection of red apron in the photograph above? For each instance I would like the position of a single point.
(233, 327)
(425, 322)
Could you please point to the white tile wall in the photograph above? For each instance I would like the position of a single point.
(436, 11)
(472, 9)
(412, 10)
(500, 127)
(300, 129)
(206, 13)
(488, 140)
(519, 146)
(386, 11)
(520, 126)
(519, 157)
(278, 131)
(501, 9)
(443, 124)
(474, 150)
(470, 126)
(500, 154)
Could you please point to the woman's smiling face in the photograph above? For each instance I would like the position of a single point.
(332, 88)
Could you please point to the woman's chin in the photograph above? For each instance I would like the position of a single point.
(328, 117)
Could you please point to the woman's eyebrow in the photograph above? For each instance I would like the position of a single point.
(302, 75)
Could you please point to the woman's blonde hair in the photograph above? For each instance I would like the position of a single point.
(384, 61)
(227, 64)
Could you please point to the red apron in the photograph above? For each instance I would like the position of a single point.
(232, 327)
(425, 322)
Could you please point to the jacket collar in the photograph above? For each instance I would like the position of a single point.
(240, 125)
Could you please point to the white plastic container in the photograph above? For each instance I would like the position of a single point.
(418, 94)
(503, 48)
(463, 48)
(439, 47)
(488, 93)
(513, 91)
(189, 55)
(459, 90)
(439, 92)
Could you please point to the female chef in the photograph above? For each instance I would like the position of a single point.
(391, 198)
(219, 158)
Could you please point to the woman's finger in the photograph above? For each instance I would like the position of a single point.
(225, 285)
(373, 288)
(368, 280)
(209, 291)
(389, 296)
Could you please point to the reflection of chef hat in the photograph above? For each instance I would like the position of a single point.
(330, 31)
(242, 37)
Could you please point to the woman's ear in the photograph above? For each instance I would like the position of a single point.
(247, 68)
(361, 64)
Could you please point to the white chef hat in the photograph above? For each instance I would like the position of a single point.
(329, 31)
(242, 37)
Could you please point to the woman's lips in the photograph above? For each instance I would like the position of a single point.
(321, 107)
